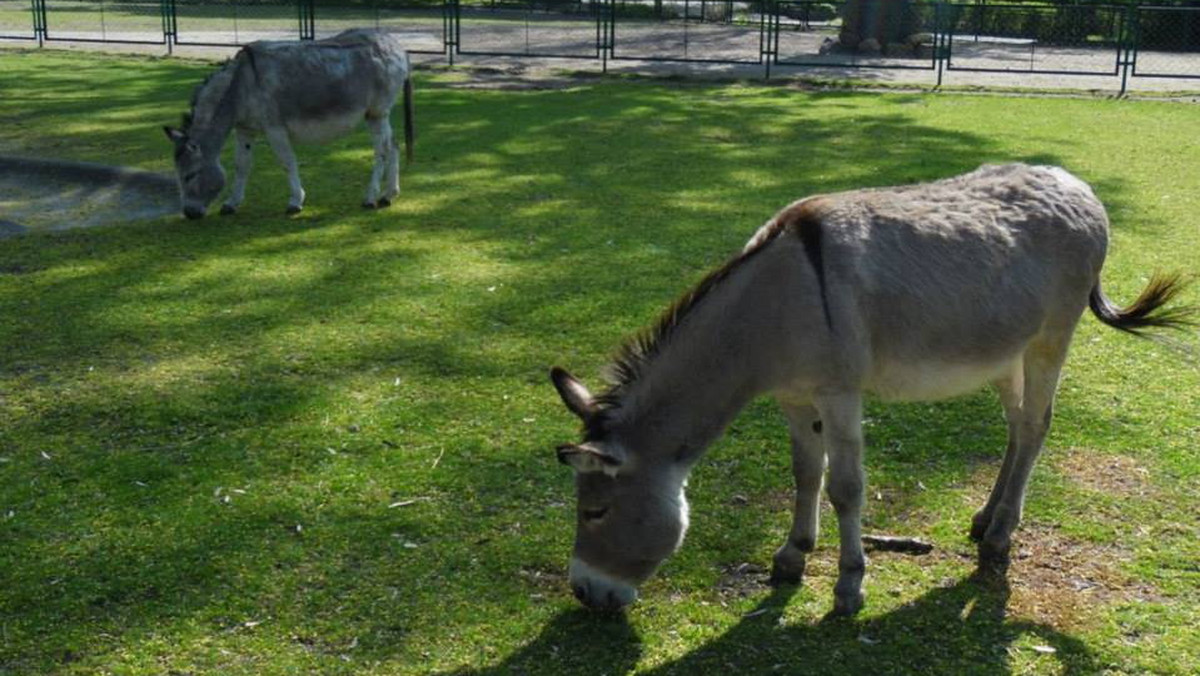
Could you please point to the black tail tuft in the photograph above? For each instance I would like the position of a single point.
(1149, 311)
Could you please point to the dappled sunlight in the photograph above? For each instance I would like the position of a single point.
(326, 442)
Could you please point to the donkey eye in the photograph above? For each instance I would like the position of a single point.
(594, 514)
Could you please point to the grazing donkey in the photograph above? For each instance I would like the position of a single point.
(303, 91)
(917, 292)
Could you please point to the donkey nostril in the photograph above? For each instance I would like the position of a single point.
(579, 592)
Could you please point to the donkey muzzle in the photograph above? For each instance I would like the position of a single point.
(598, 590)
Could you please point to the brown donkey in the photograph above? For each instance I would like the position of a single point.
(908, 293)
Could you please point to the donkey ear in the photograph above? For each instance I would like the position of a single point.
(574, 394)
(174, 134)
(588, 458)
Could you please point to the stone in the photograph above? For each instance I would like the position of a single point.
(869, 46)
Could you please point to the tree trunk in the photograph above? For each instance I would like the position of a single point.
(884, 21)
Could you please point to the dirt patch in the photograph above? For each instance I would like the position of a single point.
(39, 195)
(1116, 475)
(1063, 581)
(741, 580)
(545, 579)
(510, 76)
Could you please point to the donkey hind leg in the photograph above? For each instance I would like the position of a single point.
(385, 153)
(1010, 388)
(808, 466)
(1043, 363)
(841, 432)
(243, 157)
(282, 147)
(391, 179)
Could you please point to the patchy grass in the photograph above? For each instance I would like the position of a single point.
(262, 444)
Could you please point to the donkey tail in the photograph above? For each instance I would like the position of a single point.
(408, 118)
(1149, 311)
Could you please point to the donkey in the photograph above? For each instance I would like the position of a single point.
(303, 91)
(908, 293)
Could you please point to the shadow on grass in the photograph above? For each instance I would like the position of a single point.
(574, 642)
(955, 629)
(595, 234)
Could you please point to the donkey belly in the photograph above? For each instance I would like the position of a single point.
(325, 128)
(930, 380)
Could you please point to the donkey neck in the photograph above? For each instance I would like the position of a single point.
(215, 109)
(718, 354)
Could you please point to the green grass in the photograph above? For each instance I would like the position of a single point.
(203, 424)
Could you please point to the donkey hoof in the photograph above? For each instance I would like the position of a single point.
(292, 210)
(786, 567)
(383, 202)
(992, 557)
(369, 205)
(228, 210)
(845, 605)
(781, 577)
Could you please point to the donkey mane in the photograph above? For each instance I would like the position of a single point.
(640, 350)
(201, 96)
(801, 219)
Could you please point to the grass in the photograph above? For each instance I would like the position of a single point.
(324, 444)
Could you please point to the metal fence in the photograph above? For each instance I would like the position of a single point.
(1101, 41)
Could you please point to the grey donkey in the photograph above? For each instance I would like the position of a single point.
(307, 91)
(908, 293)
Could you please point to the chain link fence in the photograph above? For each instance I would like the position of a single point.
(217, 23)
(700, 31)
(536, 28)
(1167, 42)
(425, 24)
(129, 21)
(857, 35)
(1090, 39)
(1068, 40)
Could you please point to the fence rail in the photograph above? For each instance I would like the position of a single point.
(1110, 41)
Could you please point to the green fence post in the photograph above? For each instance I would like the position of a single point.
(305, 14)
(167, 9)
(768, 33)
(455, 16)
(1130, 37)
(39, 21)
(942, 26)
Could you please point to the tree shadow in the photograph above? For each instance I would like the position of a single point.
(961, 627)
(596, 235)
(574, 642)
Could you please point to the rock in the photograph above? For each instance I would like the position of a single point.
(869, 46)
(828, 46)
(920, 39)
(900, 49)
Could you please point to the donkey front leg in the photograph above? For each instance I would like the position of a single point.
(808, 466)
(385, 157)
(841, 418)
(282, 147)
(243, 159)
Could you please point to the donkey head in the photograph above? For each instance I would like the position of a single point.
(201, 177)
(631, 513)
